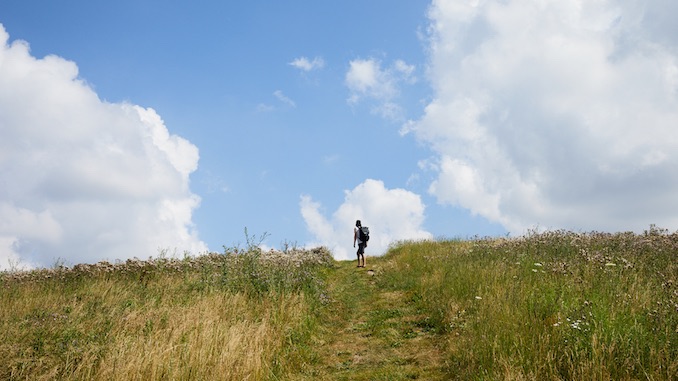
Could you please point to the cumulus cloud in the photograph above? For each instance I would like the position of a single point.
(304, 64)
(558, 114)
(81, 179)
(391, 215)
(368, 81)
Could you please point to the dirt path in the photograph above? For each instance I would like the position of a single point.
(373, 334)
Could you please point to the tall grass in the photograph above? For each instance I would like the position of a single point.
(551, 306)
(546, 306)
(240, 315)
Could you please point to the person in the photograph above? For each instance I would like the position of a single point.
(361, 245)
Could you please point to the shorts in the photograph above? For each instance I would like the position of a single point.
(361, 248)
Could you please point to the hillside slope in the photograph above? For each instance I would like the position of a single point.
(557, 306)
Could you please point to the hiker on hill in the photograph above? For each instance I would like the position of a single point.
(362, 243)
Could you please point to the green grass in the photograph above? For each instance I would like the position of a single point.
(557, 305)
(552, 306)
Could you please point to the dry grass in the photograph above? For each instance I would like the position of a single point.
(216, 337)
(153, 325)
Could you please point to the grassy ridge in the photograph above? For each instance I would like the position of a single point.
(557, 305)
(554, 306)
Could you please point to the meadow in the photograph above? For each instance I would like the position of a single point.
(231, 316)
(546, 306)
(551, 306)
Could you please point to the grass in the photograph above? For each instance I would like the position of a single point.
(369, 333)
(556, 306)
(228, 317)
(551, 306)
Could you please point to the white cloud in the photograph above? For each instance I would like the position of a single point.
(405, 71)
(264, 108)
(284, 99)
(368, 81)
(303, 63)
(83, 180)
(281, 97)
(331, 159)
(366, 76)
(557, 114)
(391, 215)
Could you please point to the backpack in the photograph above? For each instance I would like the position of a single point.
(364, 233)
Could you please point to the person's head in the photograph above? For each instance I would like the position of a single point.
(357, 223)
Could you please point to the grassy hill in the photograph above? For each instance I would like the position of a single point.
(551, 306)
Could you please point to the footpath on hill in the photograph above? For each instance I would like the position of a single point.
(372, 334)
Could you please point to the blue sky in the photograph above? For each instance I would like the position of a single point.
(133, 126)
